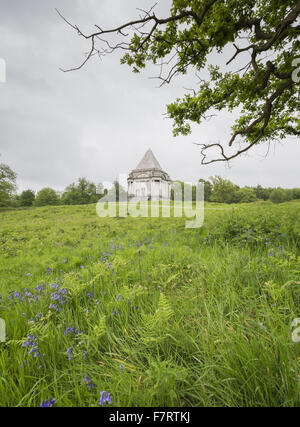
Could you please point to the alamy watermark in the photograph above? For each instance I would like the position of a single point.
(188, 202)
(2, 330)
(2, 70)
(296, 332)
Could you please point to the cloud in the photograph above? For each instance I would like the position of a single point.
(99, 121)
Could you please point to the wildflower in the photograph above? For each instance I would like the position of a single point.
(60, 296)
(69, 353)
(84, 352)
(88, 382)
(40, 288)
(53, 306)
(105, 397)
(32, 342)
(270, 254)
(68, 331)
(48, 270)
(262, 325)
(72, 330)
(90, 295)
(48, 403)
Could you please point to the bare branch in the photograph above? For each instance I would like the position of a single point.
(183, 53)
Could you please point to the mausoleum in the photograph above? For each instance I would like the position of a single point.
(148, 181)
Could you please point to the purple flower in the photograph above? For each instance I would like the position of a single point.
(60, 295)
(69, 353)
(40, 287)
(105, 398)
(72, 330)
(32, 342)
(88, 382)
(90, 295)
(48, 403)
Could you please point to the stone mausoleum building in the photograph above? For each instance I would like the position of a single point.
(148, 181)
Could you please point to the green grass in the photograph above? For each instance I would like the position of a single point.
(168, 316)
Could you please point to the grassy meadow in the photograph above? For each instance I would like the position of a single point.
(150, 312)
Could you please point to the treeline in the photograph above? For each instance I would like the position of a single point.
(220, 190)
(216, 189)
(81, 193)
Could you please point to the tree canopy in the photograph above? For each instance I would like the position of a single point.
(27, 198)
(7, 184)
(262, 84)
(81, 193)
(47, 197)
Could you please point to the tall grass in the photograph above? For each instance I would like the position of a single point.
(148, 311)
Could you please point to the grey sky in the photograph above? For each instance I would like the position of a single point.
(99, 121)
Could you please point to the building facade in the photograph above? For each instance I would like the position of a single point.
(148, 181)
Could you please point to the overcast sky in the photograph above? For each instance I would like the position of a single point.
(99, 121)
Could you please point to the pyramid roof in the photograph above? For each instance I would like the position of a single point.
(148, 162)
